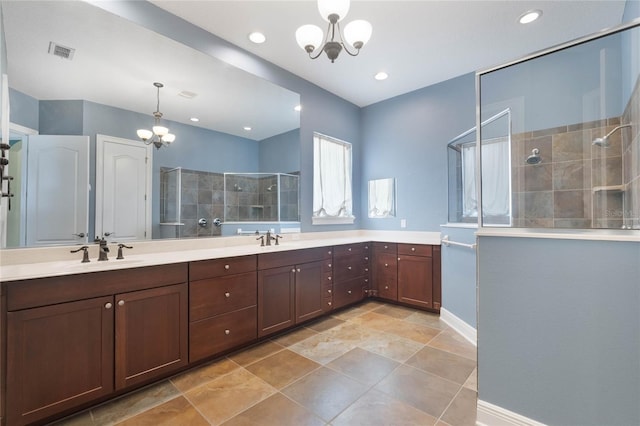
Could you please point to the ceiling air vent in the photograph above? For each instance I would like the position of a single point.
(60, 51)
(187, 94)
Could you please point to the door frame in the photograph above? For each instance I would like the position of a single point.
(100, 142)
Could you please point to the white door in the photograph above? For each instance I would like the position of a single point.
(123, 188)
(57, 190)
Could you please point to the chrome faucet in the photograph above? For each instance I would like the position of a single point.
(102, 252)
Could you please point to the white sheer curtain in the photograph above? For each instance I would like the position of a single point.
(381, 198)
(332, 196)
(495, 178)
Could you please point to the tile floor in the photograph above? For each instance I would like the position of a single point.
(373, 364)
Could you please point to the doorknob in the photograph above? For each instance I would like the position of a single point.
(81, 235)
(106, 234)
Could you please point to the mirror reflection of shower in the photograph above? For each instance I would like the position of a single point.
(534, 158)
(603, 142)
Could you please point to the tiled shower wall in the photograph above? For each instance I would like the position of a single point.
(249, 198)
(578, 184)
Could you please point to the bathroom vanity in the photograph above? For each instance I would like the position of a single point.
(77, 339)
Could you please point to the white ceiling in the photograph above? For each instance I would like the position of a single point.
(418, 43)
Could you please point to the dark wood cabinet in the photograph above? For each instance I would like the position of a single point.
(65, 354)
(352, 263)
(58, 357)
(151, 334)
(418, 275)
(276, 299)
(292, 288)
(385, 270)
(222, 304)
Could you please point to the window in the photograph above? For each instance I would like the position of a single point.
(332, 193)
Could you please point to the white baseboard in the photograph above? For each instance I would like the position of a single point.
(492, 415)
(460, 326)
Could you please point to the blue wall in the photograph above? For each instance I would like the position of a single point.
(559, 329)
(24, 110)
(281, 153)
(406, 138)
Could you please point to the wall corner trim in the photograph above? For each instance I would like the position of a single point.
(467, 331)
(492, 415)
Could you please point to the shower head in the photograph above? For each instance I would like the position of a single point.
(270, 187)
(603, 142)
(534, 158)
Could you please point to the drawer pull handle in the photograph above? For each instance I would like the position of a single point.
(386, 247)
(329, 303)
(226, 267)
(329, 278)
(386, 265)
(329, 291)
(386, 287)
(329, 252)
(366, 280)
(413, 249)
(329, 265)
(348, 291)
(298, 270)
(349, 249)
(366, 269)
(293, 270)
(108, 305)
(366, 258)
(366, 247)
(227, 332)
(349, 267)
(121, 303)
(227, 294)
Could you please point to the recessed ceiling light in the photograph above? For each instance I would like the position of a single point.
(188, 94)
(530, 16)
(298, 108)
(257, 38)
(381, 76)
(194, 119)
(247, 128)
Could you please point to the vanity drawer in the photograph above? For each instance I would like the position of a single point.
(385, 248)
(348, 292)
(351, 249)
(221, 267)
(223, 332)
(415, 250)
(347, 268)
(293, 257)
(215, 296)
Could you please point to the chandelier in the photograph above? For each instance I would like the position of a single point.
(159, 135)
(356, 33)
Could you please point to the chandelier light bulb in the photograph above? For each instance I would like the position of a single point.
(333, 7)
(358, 33)
(309, 37)
(144, 134)
(169, 137)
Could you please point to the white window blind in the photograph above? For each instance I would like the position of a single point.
(332, 192)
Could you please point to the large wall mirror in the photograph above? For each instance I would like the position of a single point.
(75, 69)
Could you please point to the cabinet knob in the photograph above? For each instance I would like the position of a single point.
(349, 249)
(120, 302)
(293, 270)
(108, 305)
(386, 247)
(329, 265)
(413, 249)
(366, 280)
(329, 291)
(226, 267)
(386, 287)
(349, 267)
(366, 269)
(329, 278)
(227, 294)
(366, 247)
(366, 258)
(329, 252)
(386, 265)
(298, 270)
(348, 291)
(329, 303)
(227, 332)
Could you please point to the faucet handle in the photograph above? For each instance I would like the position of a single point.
(120, 247)
(85, 255)
(261, 238)
(277, 237)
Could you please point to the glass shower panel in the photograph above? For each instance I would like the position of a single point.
(575, 133)
(261, 197)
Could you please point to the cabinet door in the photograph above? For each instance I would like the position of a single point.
(151, 333)
(276, 302)
(415, 280)
(309, 291)
(59, 357)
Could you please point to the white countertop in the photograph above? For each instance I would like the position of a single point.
(28, 263)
